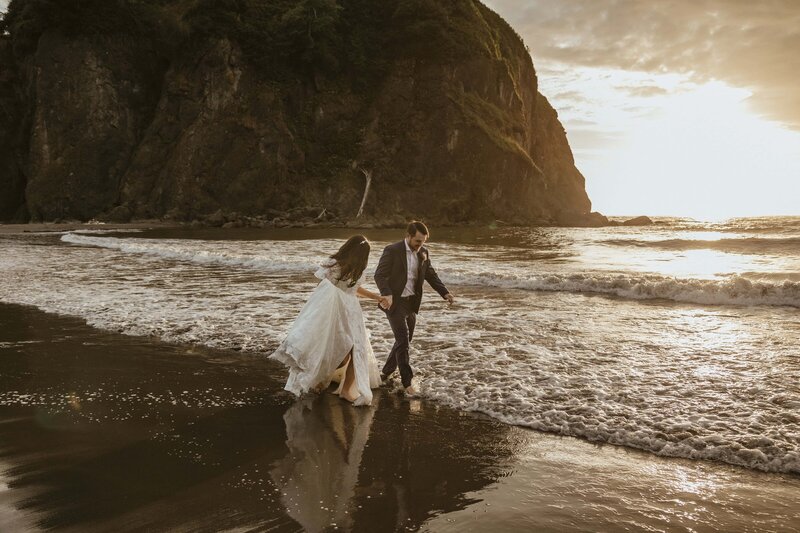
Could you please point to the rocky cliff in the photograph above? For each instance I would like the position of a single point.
(183, 108)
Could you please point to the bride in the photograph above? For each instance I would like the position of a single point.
(328, 339)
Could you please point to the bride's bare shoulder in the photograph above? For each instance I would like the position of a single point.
(327, 269)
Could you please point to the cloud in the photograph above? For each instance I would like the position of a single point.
(580, 123)
(746, 44)
(571, 95)
(644, 91)
(596, 138)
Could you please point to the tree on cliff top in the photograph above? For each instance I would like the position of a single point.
(282, 37)
(27, 20)
(276, 33)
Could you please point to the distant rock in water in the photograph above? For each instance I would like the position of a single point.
(118, 109)
(638, 221)
(585, 220)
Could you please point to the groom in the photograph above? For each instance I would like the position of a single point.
(399, 276)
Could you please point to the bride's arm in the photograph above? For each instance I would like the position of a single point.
(364, 293)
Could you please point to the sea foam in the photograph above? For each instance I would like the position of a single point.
(181, 251)
(731, 290)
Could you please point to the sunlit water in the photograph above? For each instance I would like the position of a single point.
(679, 338)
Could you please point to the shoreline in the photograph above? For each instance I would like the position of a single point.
(592, 220)
(103, 431)
(46, 227)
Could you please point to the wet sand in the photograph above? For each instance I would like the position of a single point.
(104, 432)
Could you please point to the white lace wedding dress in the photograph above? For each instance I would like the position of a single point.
(329, 325)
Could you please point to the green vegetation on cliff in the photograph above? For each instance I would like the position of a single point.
(328, 36)
(27, 20)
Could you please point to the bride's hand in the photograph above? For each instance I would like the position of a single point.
(385, 302)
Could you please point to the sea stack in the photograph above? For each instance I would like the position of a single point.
(150, 109)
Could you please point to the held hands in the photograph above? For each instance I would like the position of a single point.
(385, 302)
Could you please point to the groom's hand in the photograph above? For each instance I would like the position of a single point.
(450, 298)
(386, 302)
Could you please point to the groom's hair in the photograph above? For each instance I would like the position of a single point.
(416, 226)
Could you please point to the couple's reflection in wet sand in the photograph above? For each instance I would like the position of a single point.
(319, 475)
(385, 467)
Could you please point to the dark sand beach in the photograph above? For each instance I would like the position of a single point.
(105, 432)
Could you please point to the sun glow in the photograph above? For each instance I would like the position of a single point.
(663, 145)
(705, 155)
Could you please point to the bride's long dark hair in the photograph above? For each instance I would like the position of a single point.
(352, 259)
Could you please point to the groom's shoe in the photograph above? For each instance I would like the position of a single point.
(412, 391)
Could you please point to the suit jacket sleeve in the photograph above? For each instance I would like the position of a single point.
(383, 271)
(433, 279)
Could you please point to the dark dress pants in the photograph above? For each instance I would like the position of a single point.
(402, 320)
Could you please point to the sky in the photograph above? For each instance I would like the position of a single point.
(676, 107)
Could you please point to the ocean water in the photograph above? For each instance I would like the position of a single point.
(681, 338)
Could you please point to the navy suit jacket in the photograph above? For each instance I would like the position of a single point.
(392, 274)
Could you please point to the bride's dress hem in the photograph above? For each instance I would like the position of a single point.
(289, 355)
(329, 325)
